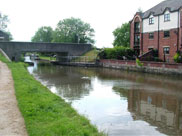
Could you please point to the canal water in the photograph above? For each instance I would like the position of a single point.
(118, 102)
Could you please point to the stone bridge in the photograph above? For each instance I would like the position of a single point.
(15, 49)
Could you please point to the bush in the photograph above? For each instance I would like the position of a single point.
(178, 57)
(139, 63)
(117, 52)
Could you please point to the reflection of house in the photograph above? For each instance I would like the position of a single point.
(158, 28)
(4, 36)
(163, 111)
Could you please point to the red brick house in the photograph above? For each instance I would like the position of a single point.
(158, 28)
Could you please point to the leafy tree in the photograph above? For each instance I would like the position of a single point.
(44, 34)
(122, 35)
(73, 30)
(4, 24)
(10, 36)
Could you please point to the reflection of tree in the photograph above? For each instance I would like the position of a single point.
(121, 91)
(163, 111)
(69, 82)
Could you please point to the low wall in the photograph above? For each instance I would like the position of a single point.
(148, 67)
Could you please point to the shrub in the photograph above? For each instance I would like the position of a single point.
(117, 52)
(178, 57)
(139, 63)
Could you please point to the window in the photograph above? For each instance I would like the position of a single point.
(137, 27)
(166, 34)
(166, 17)
(150, 48)
(151, 35)
(137, 40)
(166, 50)
(151, 20)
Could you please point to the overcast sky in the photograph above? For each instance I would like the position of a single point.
(26, 16)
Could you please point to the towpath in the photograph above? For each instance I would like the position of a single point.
(11, 120)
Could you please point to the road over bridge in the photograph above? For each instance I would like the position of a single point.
(15, 49)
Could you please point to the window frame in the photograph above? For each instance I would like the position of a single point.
(137, 27)
(151, 37)
(151, 20)
(166, 50)
(167, 17)
(166, 36)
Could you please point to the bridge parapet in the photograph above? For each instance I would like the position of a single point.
(15, 49)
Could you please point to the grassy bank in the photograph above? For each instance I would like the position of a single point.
(46, 58)
(45, 113)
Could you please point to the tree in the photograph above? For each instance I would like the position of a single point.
(73, 30)
(3, 22)
(122, 35)
(43, 34)
(3, 26)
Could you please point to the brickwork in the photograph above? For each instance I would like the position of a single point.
(149, 67)
(171, 42)
(159, 42)
(150, 43)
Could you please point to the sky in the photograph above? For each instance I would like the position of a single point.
(104, 16)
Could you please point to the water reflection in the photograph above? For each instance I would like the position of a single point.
(119, 102)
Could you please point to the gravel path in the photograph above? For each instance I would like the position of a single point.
(11, 120)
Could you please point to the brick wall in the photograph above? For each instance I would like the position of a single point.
(148, 43)
(171, 42)
(150, 67)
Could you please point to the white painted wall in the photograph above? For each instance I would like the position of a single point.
(173, 23)
(150, 27)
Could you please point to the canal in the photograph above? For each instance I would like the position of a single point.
(118, 102)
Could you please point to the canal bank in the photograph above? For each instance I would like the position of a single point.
(145, 67)
(11, 120)
(44, 112)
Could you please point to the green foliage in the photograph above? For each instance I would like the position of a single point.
(44, 34)
(10, 36)
(122, 35)
(4, 24)
(178, 57)
(73, 30)
(139, 63)
(3, 21)
(45, 113)
(118, 52)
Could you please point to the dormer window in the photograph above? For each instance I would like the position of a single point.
(166, 17)
(151, 20)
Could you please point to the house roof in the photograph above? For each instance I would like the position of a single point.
(172, 5)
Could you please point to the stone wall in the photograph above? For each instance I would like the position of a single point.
(148, 67)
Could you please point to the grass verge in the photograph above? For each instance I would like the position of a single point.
(46, 58)
(46, 114)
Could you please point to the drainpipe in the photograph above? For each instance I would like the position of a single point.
(178, 33)
(142, 36)
(158, 34)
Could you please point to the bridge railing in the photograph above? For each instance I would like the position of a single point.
(77, 59)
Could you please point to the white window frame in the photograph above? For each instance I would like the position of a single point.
(151, 20)
(166, 17)
(164, 51)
